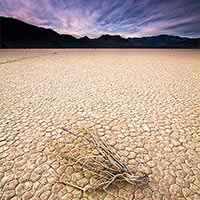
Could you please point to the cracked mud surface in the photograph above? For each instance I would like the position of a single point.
(144, 103)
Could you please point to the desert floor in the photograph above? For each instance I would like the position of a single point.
(144, 103)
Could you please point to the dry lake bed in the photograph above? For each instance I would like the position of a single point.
(144, 103)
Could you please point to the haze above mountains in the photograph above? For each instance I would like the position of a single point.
(18, 34)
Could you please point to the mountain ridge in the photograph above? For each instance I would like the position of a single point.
(18, 34)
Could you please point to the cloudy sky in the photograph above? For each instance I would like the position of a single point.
(128, 18)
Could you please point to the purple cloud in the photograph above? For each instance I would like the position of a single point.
(93, 18)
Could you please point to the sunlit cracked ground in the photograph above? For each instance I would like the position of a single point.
(145, 103)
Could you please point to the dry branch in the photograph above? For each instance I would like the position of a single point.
(96, 158)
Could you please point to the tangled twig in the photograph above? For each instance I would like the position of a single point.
(103, 163)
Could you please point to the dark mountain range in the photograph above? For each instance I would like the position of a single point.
(17, 34)
(159, 41)
(111, 41)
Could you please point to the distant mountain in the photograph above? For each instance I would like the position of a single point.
(158, 41)
(168, 41)
(111, 41)
(17, 34)
(189, 43)
(85, 38)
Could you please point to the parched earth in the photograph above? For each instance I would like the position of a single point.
(144, 103)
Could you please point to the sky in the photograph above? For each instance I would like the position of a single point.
(128, 18)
